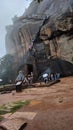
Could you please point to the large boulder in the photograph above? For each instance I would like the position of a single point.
(49, 25)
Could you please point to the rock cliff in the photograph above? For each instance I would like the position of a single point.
(48, 27)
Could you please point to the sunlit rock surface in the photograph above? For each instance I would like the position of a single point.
(49, 25)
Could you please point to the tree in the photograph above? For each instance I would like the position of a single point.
(6, 68)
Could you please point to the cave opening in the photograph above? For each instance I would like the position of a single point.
(29, 68)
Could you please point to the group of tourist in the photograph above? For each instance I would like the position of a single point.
(21, 79)
(24, 79)
(51, 77)
(28, 79)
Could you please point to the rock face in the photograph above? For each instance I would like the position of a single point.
(47, 27)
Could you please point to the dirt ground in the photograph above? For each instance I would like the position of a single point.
(53, 105)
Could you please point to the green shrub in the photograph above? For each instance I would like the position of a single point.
(13, 107)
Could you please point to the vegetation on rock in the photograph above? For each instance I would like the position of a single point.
(7, 68)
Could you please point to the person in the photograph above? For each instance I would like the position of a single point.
(52, 76)
(19, 80)
(49, 78)
(20, 76)
(31, 77)
(55, 76)
(25, 80)
(58, 75)
(46, 79)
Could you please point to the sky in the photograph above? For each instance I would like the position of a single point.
(8, 9)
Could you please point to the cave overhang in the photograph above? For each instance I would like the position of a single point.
(55, 28)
